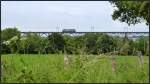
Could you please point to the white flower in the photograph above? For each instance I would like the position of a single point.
(6, 42)
(14, 38)
(23, 38)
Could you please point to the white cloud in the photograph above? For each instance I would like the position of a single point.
(46, 15)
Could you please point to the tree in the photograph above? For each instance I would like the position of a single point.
(80, 44)
(10, 38)
(105, 44)
(131, 12)
(13, 44)
(70, 44)
(23, 44)
(142, 45)
(8, 33)
(56, 43)
(43, 44)
(91, 42)
(34, 43)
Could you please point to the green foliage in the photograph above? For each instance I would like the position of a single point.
(89, 43)
(31, 44)
(70, 44)
(125, 48)
(105, 43)
(142, 44)
(131, 12)
(10, 39)
(50, 69)
(56, 42)
(5, 49)
(9, 33)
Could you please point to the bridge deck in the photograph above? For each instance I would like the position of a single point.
(84, 32)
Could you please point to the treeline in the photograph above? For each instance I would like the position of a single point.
(55, 43)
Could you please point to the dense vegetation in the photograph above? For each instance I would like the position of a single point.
(89, 43)
(131, 12)
(50, 68)
(86, 58)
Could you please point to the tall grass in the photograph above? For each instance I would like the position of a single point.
(50, 69)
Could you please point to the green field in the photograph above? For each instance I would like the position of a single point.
(50, 69)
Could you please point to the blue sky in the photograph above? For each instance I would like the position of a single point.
(47, 15)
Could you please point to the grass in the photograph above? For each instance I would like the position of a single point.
(50, 69)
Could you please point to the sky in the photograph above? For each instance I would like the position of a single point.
(51, 16)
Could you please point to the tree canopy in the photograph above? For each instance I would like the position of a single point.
(8, 33)
(131, 12)
(54, 43)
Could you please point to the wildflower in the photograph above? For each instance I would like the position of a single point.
(66, 60)
(6, 42)
(14, 38)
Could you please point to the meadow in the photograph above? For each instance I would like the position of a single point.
(50, 68)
